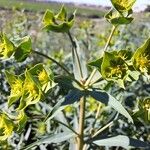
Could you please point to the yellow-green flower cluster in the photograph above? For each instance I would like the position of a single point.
(30, 87)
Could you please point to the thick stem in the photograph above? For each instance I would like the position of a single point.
(81, 123)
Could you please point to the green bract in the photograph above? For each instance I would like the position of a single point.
(58, 23)
(7, 48)
(114, 68)
(6, 127)
(144, 109)
(30, 87)
(16, 84)
(115, 18)
(44, 76)
(21, 121)
(141, 58)
(123, 5)
(24, 49)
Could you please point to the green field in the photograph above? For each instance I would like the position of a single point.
(41, 7)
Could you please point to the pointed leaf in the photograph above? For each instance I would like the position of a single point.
(55, 138)
(107, 99)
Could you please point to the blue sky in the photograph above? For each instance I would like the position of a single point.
(139, 3)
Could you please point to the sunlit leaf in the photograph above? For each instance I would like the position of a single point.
(16, 84)
(6, 127)
(141, 58)
(59, 22)
(32, 92)
(123, 5)
(24, 49)
(7, 48)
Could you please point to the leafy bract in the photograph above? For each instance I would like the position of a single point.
(144, 109)
(43, 76)
(114, 68)
(23, 50)
(123, 5)
(6, 127)
(7, 48)
(107, 99)
(123, 141)
(59, 22)
(30, 87)
(32, 92)
(16, 84)
(115, 18)
(21, 121)
(141, 58)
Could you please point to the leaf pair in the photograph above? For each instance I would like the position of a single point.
(20, 52)
(30, 87)
(59, 22)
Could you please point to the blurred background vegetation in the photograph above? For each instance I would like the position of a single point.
(20, 18)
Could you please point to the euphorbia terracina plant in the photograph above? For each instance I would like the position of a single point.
(35, 84)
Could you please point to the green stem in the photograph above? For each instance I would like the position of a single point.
(74, 50)
(53, 60)
(81, 123)
(105, 48)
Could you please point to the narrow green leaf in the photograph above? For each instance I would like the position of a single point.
(107, 99)
(55, 138)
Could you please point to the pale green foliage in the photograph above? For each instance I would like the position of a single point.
(59, 22)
